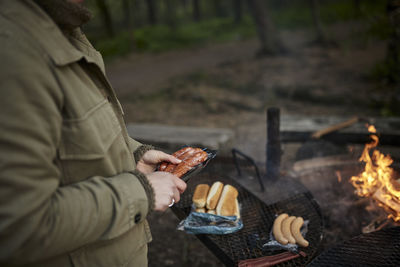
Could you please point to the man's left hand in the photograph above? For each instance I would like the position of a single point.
(148, 163)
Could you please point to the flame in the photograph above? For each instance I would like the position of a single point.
(377, 179)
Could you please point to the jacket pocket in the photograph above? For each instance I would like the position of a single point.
(92, 145)
(90, 136)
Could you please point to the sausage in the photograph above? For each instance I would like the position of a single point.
(178, 154)
(197, 158)
(295, 229)
(277, 229)
(189, 163)
(163, 166)
(190, 154)
(286, 229)
(170, 167)
(181, 169)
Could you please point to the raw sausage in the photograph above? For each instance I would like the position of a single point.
(189, 163)
(277, 229)
(286, 229)
(295, 229)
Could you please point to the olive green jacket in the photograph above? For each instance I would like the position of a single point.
(69, 192)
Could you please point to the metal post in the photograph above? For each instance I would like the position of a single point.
(273, 145)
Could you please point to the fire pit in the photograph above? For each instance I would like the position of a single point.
(380, 248)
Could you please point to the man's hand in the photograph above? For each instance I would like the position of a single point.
(148, 163)
(167, 188)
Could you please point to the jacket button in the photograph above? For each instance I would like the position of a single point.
(138, 217)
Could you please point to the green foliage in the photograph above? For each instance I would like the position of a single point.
(297, 14)
(285, 14)
(121, 44)
(160, 38)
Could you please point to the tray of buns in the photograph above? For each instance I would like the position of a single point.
(258, 219)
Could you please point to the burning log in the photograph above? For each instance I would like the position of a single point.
(389, 203)
(377, 179)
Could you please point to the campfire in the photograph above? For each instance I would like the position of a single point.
(378, 180)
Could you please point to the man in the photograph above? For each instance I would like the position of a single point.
(75, 190)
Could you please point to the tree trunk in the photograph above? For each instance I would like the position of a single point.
(126, 9)
(321, 37)
(151, 12)
(186, 6)
(196, 10)
(393, 47)
(270, 41)
(237, 9)
(171, 14)
(357, 7)
(219, 9)
(138, 13)
(106, 17)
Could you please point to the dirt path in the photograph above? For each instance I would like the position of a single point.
(148, 72)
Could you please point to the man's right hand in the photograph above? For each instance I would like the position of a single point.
(167, 188)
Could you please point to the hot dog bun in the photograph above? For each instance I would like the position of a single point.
(200, 195)
(214, 195)
(237, 209)
(227, 203)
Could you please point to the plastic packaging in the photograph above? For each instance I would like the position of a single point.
(196, 169)
(205, 223)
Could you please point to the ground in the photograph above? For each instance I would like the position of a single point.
(226, 85)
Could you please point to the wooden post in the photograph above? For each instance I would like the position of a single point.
(273, 145)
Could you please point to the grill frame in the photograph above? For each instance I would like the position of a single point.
(257, 219)
(380, 248)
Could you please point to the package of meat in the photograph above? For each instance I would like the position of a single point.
(193, 161)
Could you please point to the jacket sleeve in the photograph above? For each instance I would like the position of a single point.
(38, 217)
(140, 151)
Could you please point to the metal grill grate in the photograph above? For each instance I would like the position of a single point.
(381, 248)
(257, 219)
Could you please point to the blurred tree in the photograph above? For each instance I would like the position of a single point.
(220, 10)
(171, 13)
(393, 47)
(270, 40)
(137, 12)
(151, 12)
(105, 17)
(185, 6)
(357, 7)
(196, 10)
(321, 37)
(126, 10)
(237, 10)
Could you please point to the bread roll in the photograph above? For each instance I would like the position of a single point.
(200, 195)
(227, 205)
(211, 211)
(237, 209)
(214, 195)
(202, 210)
